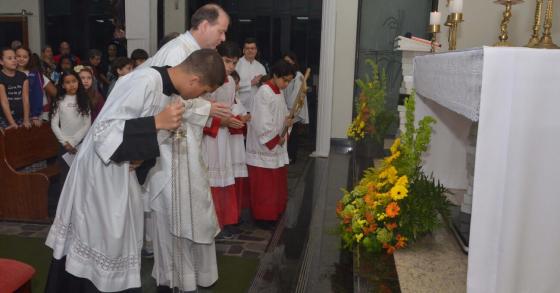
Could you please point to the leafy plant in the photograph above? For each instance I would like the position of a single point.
(372, 119)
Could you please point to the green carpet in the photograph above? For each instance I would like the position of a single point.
(236, 274)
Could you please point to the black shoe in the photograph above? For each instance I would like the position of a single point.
(233, 229)
(224, 234)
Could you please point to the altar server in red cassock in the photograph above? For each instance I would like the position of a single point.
(216, 146)
(267, 154)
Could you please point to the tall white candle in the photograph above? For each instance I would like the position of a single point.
(456, 6)
(435, 18)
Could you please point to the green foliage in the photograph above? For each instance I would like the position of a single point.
(371, 105)
(414, 141)
(419, 210)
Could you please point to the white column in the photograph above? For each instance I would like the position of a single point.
(141, 25)
(326, 79)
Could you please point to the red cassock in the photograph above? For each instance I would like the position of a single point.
(269, 192)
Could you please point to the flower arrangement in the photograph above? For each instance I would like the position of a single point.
(395, 202)
(372, 119)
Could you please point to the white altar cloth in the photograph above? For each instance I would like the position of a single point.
(515, 226)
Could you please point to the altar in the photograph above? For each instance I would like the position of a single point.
(504, 101)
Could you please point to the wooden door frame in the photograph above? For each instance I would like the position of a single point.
(22, 20)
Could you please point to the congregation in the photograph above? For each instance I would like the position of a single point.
(127, 121)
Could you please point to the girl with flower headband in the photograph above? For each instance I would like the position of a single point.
(88, 80)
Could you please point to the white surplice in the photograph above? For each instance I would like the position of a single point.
(267, 119)
(291, 93)
(217, 150)
(237, 144)
(247, 71)
(204, 226)
(99, 219)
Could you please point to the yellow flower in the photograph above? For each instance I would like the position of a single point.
(402, 181)
(359, 237)
(398, 192)
(396, 145)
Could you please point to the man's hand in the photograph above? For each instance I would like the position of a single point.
(235, 123)
(220, 111)
(246, 118)
(134, 164)
(256, 80)
(170, 118)
(282, 140)
(12, 126)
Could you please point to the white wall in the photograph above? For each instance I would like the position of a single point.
(35, 27)
(141, 34)
(345, 52)
(175, 15)
(482, 23)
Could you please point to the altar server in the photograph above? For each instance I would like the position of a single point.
(217, 148)
(96, 235)
(267, 156)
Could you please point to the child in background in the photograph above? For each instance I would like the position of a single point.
(237, 146)
(216, 148)
(138, 57)
(267, 155)
(14, 92)
(121, 67)
(38, 83)
(96, 99)
(65, 64)
(70, 118)
(101, 81)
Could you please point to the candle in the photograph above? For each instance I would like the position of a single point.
(456, 6)
(435, 17)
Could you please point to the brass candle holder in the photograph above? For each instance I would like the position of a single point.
(503, 38)
(434, 29)
(546, 39)
(453, 21)
(534, 40)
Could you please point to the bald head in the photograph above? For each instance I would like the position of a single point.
(209, 25)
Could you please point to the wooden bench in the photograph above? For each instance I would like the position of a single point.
(24, 196)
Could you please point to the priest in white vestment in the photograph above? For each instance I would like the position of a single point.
(96, 236)
(194, 262)
(250, 71)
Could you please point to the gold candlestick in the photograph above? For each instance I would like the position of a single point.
(452, 22)
(534, 40)
(503, 38)
(434, 29)
(546, 39)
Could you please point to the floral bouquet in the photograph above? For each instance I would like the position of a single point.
(372, 118)
(396, 202)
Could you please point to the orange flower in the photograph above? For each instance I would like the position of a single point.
(348, 229)
(369, 199)
(392, 209)
(369, 218)
(372, 228)
(339, 207)
(390, 248)
(391, 226)
(401, 241)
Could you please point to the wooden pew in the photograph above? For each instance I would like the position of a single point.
(24, 196)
